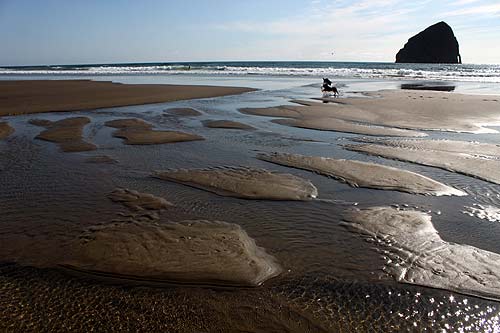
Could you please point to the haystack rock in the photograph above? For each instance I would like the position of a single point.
(436, 44)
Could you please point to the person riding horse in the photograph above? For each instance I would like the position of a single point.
(328, 87)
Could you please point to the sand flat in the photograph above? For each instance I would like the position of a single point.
(454, 146)
(187, 252)
(364, 174)
(228, 124)
(34, 96)
(422, 110)
(416, 254)
(245, 183)
(339, 125)
(482, 168)
(67, 133)
(316, 116)
(5, 130)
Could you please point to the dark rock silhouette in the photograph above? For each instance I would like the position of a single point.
(436, 44)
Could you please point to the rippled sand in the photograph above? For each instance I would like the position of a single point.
(191, 252)
(363, 174)
(138, 201)
(415, 253)
(246, 183)
(67, 133)
(5, 130)
(453, 146)
(138, 132)
(485, 169)
(226, 124)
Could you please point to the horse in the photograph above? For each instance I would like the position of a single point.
(328, 87)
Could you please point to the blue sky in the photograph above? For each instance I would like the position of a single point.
(107, 31)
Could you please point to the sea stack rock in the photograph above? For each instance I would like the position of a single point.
(436, 44)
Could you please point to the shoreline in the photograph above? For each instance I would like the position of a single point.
(39, 96)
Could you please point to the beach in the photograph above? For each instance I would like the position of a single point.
(213, 207)
(21, 97)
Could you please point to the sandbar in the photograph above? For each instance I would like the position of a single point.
(454, 146)
(5, 130)
(245, 183)
(128, 123)
(364, 174)
(138, 201)
(139, 132)
(469, 165)
(67, 133)
(415, 253)
(105, 159)
(422, 110)
(315, 116)
(339, 125)
(187, 252)
(34, 96)
(227, 124)
(183, 112)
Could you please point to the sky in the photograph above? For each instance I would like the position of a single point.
(35, 32)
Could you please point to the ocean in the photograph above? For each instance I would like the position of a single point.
(336, 70)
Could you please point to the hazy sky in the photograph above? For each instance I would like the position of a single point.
(106, 31)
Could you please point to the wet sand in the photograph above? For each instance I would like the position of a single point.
(453, 146)
(135, 200)
(58, 209)
(138, 132)
(415, 253)
(189, 252)
(317, 117)
(423, 110)
(183, 112)
(5, 130)
(363, 174)
(245, 183)
(67, 133)
(35, 96)
(228, 124)
(482, 168)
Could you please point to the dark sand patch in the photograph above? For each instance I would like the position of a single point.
(188, 252)
(246, 183)
(138, 201)
(67, 133)
(183, 112)
(5, 130)
(104, 159)
(482, 168)
(415, 253)
(34, 96)
(138, 132)
(363, 174)
(227, 124)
